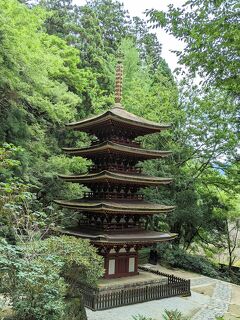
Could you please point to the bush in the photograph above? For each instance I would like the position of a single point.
(168, 315)
(75, 309)
(143, 255)
(140, 317)
(37, 277)
(174, 315)
(177, 257)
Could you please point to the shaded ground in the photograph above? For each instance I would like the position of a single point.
(206, 290)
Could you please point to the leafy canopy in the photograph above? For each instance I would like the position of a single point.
(210, 30)
(25, 51)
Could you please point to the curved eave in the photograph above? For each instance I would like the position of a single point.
(133, 237)
(119, 115)
(115, 148)
(112, 177)
(129, 207)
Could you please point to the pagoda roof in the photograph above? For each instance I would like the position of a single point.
(115, 206)
(141, 236)
(115, 177)
(116, 148)
(118, 115)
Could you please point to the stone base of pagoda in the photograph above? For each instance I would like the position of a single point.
(120, 264)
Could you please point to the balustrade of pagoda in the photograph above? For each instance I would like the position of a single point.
(112, 196)
(116, 134)
(113, 222)
(117, 163)
(113, 191)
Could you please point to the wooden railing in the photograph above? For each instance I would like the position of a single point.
(113, 195)
(115, 168)
(111, 298)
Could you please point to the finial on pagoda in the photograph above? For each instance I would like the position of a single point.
(119, 78)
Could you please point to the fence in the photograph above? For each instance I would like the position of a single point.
(100, 299)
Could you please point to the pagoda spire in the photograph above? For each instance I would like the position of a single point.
(119, 79)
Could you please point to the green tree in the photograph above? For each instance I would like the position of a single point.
(229, 213)
(81, 28)
(205, 136)
(153, 96)
(210, 32)
(26, 49)
(34, 105)
(147, 43)
(114, 22)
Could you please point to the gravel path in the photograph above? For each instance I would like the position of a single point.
(218, 304)
(202, 281)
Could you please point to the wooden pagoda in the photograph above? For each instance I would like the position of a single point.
(114, 210)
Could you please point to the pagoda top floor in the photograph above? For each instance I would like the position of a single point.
(117, 123)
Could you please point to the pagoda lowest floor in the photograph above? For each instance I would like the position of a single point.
(120, 263)
(120, 249)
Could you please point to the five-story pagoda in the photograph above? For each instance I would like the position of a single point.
(114, 211)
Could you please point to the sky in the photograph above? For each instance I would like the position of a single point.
(137, 8)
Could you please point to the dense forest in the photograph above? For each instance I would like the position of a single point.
(57, 63)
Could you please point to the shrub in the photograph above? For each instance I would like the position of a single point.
(140, 317)
(168, 315)
(37, 276)
(178, 257)
(174, 315)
